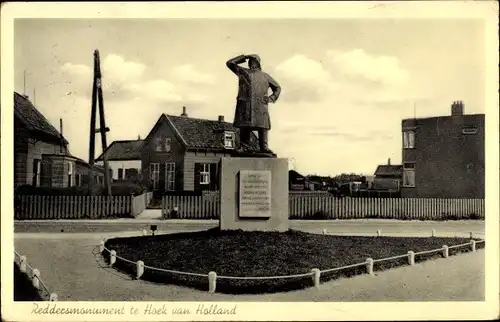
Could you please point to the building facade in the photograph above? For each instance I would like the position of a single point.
(388, 177)
(124, 160)
(443, 157)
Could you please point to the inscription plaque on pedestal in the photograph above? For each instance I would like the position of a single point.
(255, 194)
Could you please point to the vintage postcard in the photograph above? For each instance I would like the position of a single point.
(250, 161)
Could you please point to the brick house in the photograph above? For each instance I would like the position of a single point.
(183, 153)
(388, 177)
(124, 159)
(443, 157)
(41, 153)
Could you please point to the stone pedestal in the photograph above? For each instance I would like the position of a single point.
(254, 194)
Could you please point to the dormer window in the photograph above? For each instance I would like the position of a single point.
(229, 139)
(163, 144)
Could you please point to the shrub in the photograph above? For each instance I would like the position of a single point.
(117, 189)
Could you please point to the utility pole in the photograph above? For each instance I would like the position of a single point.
(24, 83)
(98, 99)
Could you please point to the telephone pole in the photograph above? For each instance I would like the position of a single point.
(98, 99)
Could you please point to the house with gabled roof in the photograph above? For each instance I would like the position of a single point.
(124, 159)
(388, 177)
(41, 153)
(183, 153)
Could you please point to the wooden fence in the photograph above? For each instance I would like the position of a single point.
(322, 206)
(78, 207)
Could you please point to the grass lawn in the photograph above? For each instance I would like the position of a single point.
(23, 287)
(238, 253)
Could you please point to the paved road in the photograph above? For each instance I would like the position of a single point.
(351, 227)
(71, 268)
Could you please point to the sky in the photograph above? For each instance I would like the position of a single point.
(346, 83)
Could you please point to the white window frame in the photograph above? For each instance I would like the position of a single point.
(408, 139)
(205, 173)
(70, 174)
(407, 170)
(169, 176)
(229, 140)
(38, 172)
(155, 174)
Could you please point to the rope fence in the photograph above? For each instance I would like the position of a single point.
(315, 273)
(34, 275)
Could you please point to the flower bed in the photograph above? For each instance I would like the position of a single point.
(263, 254)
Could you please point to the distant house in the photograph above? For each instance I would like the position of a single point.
(388, 177)
(183, 153)
(41, 154)
(443, 157)
(124, 159)
(296, 181)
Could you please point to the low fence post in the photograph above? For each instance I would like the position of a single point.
(411, 257)
(324, 231)
(379, 233)
(53, 297)
(36, 278)
(473, 245)
(101, 246)
(23, 263)
(470, 235)
(112, 259)
(212, 282)
(140, 269)
(434, 233)
(446, 252)
(144, 232)
(316, 276)
(369, 266)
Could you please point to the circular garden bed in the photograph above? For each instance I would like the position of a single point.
(257, 254)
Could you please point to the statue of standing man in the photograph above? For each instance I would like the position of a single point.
(253, 99)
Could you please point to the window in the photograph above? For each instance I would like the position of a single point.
(70, 174)
(409, 139)
(131, 174)
(78, 180)
(120, 174)
(163, 144)
(205, 174)
(409, 174)
(229, 140)
(37, 165)
(469, 130)
(170, 176)
(154, 174)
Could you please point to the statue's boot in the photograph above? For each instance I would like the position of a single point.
(263, 142)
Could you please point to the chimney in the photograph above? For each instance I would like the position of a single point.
(389, 161)
(221, 118)
(457, 108)
(184, 111)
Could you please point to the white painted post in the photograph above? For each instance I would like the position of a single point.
(112, 259)
(140, 269)
(473, 245)
(434, 233)
(470, 235)
(23, 263)
(369, 266)
(212, 282)
(324, 231)
(101, 246)
(36, 278)
(144, 232)
(53, 297)
(445, 251)
(411, 257)
(316, 277)
(379, 233)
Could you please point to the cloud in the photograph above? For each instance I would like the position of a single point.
(116, 70)
(188, 73)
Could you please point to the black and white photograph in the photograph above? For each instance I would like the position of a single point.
(216, 161)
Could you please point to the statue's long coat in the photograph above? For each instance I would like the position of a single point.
(252, 101)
